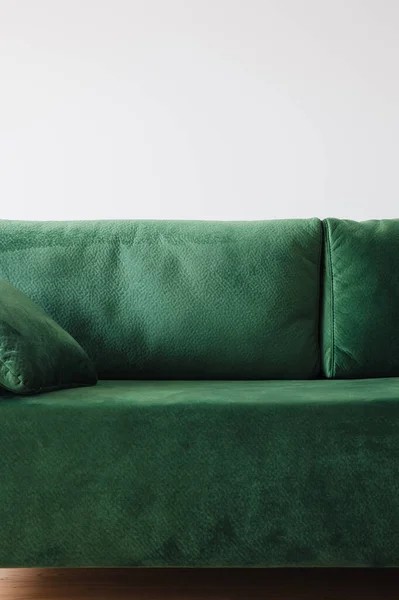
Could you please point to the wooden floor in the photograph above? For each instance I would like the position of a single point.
(206, 584)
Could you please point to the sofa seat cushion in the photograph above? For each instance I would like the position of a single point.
(188, 473)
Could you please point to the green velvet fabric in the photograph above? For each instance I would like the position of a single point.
(177, 300)
(361, 299)
(211, 473)
(36, 354)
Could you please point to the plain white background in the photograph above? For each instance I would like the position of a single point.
(199, 109)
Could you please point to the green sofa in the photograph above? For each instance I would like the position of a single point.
(247, 409)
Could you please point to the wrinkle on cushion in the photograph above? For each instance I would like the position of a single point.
(188, 473)
(177, 299)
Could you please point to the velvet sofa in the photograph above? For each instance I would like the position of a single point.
(247, 411)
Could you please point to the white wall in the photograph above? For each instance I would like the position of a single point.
(204, 109)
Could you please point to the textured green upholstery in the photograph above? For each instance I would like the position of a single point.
(361, 310)
(202, 473)
(207, 471)
(177, 300)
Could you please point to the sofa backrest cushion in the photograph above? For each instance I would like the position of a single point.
(361, 299)
(177, 299)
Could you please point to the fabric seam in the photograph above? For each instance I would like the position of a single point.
(319, 300)
(18, 377)
(332, 365)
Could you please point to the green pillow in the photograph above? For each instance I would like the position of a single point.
(36, 354)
